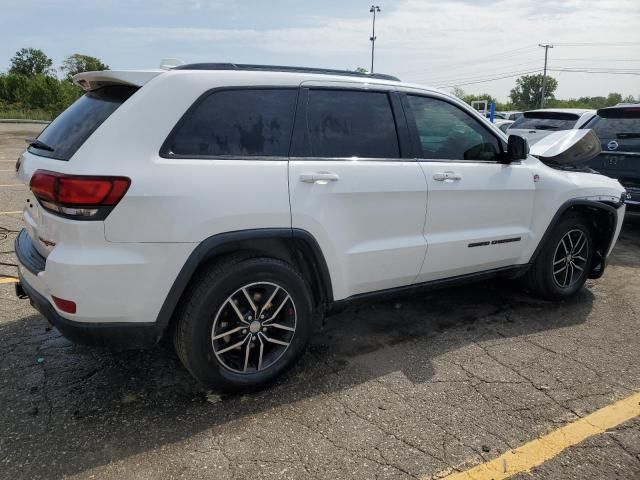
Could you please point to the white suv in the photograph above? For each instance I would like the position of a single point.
(229, 205)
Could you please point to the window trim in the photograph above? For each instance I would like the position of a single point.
(165, 147)
(301, 145)
(415, 137)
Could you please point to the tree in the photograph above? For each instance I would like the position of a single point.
(78, 63)
(528, 91)
(31, 62)
(614, 99)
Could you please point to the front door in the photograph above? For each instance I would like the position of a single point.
(478, 210)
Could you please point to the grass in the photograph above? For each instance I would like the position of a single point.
(26, 114)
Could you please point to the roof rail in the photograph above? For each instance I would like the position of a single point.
(279, 68)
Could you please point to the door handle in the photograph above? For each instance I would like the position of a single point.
(447, 177)
(319, 177)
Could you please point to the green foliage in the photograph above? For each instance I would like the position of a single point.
(527, 93)
(31, 90)
(30, 62)
(39, 92)
(78, 63)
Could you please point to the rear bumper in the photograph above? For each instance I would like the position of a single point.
(118, 336)
(39, 280)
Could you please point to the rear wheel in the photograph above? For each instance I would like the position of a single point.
(244, 322)
(563, 264)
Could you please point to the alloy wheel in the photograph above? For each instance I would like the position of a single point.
(254, 327)
(570, 258)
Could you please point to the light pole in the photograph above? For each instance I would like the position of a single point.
(374, 9)
(546, 47)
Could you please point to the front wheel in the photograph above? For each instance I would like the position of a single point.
(244, 322)
(563, 265)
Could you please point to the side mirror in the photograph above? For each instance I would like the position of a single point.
(567, 147)
(517, 148)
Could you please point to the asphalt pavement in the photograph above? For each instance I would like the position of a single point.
(418, 388)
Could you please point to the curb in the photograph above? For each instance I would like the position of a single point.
(21, 120)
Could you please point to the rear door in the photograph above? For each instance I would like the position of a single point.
(479, 210)
(354, 189)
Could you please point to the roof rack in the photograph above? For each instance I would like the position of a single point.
(279, 68)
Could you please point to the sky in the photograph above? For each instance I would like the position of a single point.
(472, 44)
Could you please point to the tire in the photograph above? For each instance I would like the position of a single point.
(254, 352)
(564, 262)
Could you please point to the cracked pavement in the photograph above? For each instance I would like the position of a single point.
(415, 388)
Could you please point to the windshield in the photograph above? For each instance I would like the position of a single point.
(546, 121)
(64, 136)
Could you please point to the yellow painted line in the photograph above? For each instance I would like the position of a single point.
(538, 451)
(10, 213)
(9, 280)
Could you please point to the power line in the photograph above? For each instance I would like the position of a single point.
(598, 44)
(484, 80)
(465, 63)
(599, 59)
(605, 72)
(470, 75)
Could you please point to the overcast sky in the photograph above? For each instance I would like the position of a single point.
(439, 43)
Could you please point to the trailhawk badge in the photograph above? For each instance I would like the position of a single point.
(612, 145)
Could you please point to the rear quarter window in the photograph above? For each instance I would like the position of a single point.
(66, 134)
(242, 122)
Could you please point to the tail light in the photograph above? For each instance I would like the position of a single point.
(80, 197)
(64, 305)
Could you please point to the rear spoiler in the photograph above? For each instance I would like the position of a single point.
(93, 80)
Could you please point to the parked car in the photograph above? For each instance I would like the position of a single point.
(619, 131)
(231, 206)
(536, 124)
(502, 124)
(508, 115)
(511, 115)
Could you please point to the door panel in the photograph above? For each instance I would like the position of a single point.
(368, 222)
(478, 209)
(479, 221)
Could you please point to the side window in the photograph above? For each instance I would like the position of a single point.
(237, 122)
(343, 123)
(448, 133)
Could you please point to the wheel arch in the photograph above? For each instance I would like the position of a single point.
(295, 246)
(602, 216)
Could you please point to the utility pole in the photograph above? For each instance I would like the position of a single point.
(373, 9)
(546, 47)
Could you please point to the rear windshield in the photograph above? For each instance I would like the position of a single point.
(546, 121)
(72, 127)
(617, 134)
